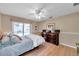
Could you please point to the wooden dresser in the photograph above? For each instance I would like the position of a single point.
(53, 37)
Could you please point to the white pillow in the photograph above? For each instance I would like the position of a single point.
(13, 38)
(5, 39)
(16, 39)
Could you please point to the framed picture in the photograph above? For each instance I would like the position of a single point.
(51, 26)
(35, 27)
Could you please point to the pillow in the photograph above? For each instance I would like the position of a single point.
(6, 42)
(5, 39)
(16, 39)
(9, 40)
(8, 33)
(12, 39)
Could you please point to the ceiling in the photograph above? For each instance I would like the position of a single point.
(27, 10)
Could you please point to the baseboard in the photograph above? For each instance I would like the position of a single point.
(67, 45)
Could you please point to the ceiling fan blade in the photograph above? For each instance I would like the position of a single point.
(75, 4)
(40, 9)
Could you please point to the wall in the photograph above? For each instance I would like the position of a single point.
(0, 22)
(68, 23)
(69, 26)
(5, 23)
(6, 26)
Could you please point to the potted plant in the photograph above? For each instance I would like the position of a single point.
(77, 44)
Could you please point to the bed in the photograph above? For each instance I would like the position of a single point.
(28, 43)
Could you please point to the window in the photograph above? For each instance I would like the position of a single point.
(20, 28)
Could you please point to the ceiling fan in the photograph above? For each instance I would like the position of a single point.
(38, 12)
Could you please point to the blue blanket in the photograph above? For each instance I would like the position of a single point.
(17, 49)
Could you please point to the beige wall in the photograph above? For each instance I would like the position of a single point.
(5, 23)
(67, 23)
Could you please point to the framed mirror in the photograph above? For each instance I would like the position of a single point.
(51, 26)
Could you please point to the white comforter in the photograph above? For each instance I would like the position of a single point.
(37, 40)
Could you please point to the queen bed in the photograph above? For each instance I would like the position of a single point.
(27, 43)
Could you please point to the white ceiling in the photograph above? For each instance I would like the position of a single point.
(24, 10)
